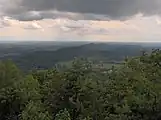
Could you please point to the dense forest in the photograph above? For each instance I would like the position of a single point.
(129, 92)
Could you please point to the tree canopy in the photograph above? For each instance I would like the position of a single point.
(129, 92)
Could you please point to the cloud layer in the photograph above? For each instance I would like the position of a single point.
(136, 29)
(27, 10)
(81, 19)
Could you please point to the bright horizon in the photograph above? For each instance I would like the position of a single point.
(119, 21)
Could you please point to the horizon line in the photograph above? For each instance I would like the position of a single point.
(94, 41)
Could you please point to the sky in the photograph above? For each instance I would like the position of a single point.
(92, 20)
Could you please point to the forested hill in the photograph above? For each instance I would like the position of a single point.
(45, 55)
(102, 52)
(129, 92)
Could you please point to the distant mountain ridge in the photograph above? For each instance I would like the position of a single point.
(96, 51)
(48, 54)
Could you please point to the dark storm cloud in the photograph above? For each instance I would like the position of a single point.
(113, 9)
(29, 16)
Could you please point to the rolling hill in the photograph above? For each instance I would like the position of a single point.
(99, 52)
(44, 55)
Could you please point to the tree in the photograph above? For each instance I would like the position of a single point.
(62, 115)
(35, 111)
(133, 91)
(9, 101)
(129, 92)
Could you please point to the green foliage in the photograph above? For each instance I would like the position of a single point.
(9, 73)
(28, 89)
(35, 111)
(129, 92)
(9, 76)
(135, 90)
(63, 115)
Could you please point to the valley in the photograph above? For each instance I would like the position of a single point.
(42, 55)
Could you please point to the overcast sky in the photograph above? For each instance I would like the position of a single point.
(100, 20)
